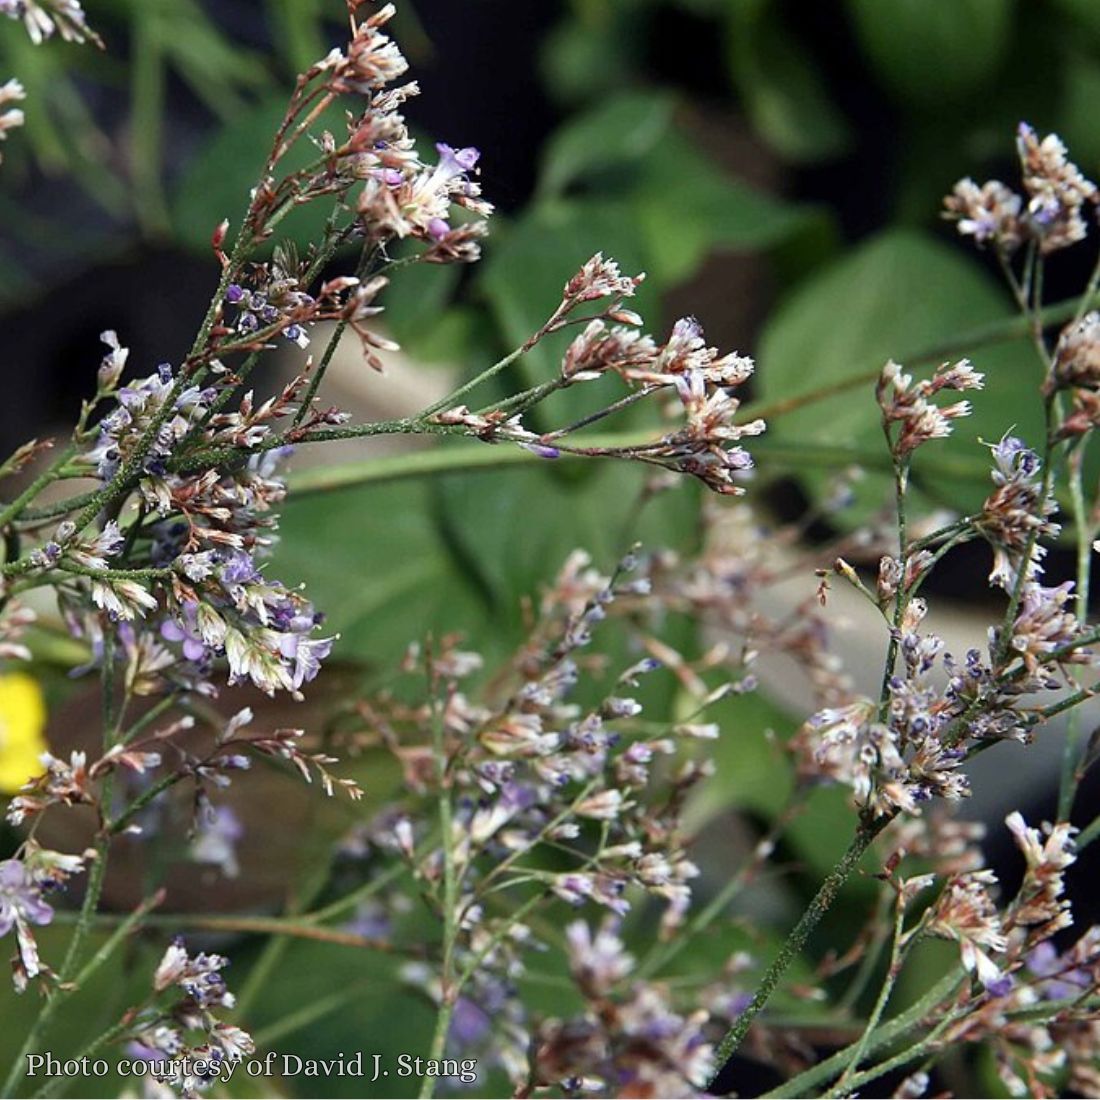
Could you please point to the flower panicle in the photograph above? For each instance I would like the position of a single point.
(1050, 212)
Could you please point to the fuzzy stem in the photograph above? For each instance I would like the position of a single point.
(901, 599)
(489, 372)
(884, 992)
(49, 475)
(893, 1029)
(817, 908)
(364, 265)
(1082, 530)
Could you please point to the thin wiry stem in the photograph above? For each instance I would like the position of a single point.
(1083, 534)
(448, 993)
(898, 1027)
(796, 940)
(887, 987)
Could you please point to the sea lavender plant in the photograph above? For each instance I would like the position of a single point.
(546, 788)
(158, 566)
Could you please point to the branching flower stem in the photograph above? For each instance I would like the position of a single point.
(898, 951)
(899, 1027)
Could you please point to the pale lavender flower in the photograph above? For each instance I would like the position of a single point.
(216, 837)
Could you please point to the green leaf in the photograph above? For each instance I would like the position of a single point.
(688, 208)
(1084, 12)
(582, 59)
(929, 51)
(780, 86)
(1077, 116)
(372, 559)
(516, 530)
(894, 296)
(620, 130)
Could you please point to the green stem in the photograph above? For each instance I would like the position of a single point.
(365, 262)
(893, 1029)
(147, 719)
(311, 1013)
(13, 510)
(1012, 328)
(302, 928)
(63, 990)
(901, 598)
(114, 941)
(112, 828)
(817, 908)
(879, 1008)
(448, 989)
(446, 458)
(1088, 834)
(454, 396)
(1069, 778)
(910, 1054)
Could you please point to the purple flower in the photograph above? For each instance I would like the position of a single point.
(456, 161)
(306, 655)
(239, 568)
(1044, 962)
(542, 450)
(469, 1024)
(216, 840)
(518, 796)
(234, 293)
(187, 632)
(371, 920)
(391, 177)
(20, 898)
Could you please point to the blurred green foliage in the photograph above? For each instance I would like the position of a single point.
(625, 174)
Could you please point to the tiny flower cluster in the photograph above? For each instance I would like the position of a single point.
(908, 405)
(1011, 952)
(705, 447)
(634, 1042)
(909, 748)
(528, 773)
(42, 18)
(401, 197)
(25, 882)
(187, 1033)
(1017, 513)
(1056, 193)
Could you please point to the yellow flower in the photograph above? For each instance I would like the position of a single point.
(22, 721)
